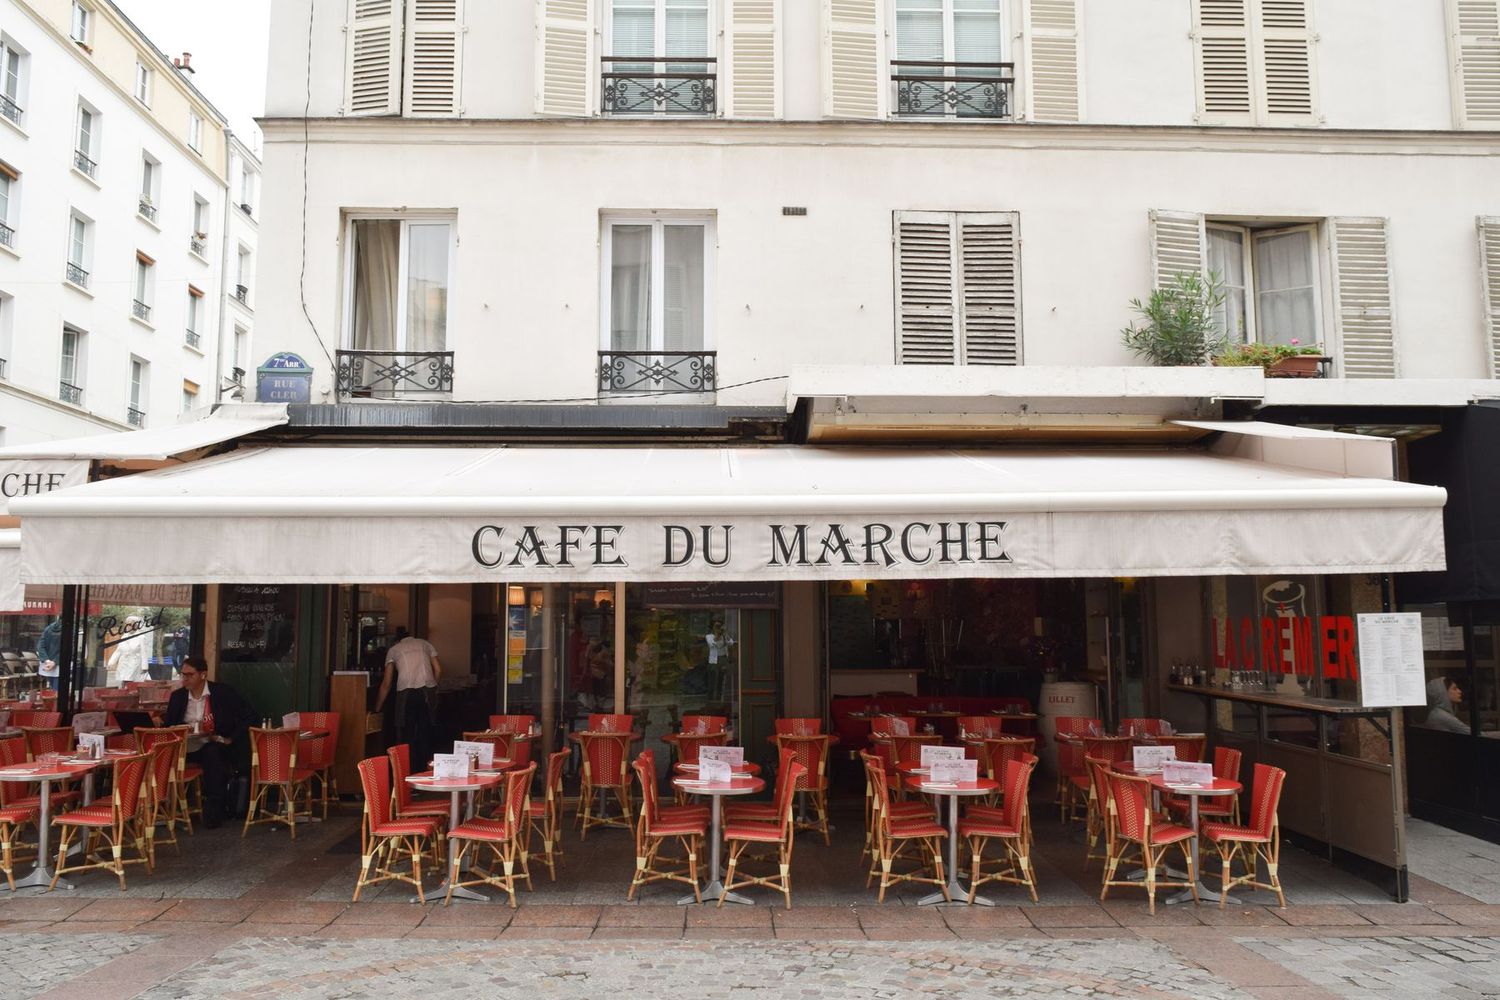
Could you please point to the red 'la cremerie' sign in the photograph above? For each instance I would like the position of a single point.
(1283, 644)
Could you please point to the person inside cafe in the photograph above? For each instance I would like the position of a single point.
(412, 665)
(1443, 697)
(218, 742)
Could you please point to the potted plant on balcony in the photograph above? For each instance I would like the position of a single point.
(1278, 360)
(1178, 324)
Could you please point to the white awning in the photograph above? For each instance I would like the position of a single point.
(158, 444)
(12, 592)
(436, 515)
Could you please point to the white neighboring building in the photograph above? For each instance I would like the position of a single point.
(114, 194)
(237, 315)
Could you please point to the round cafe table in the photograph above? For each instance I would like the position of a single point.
(1220, 786)
(716, 791)
(44, 773)
(455, 787)
(953, 791)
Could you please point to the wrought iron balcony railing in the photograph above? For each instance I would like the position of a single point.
(193, 340)
(627, 372)
(953, 89)
(140, 311)
(660, 85)
(146, 209)
(7, 235)
(77, 275)
(394, 374)
(84, 164)
(242, 294)
(3, 363)
(198, 245)
(10, 109)
(135, 417)
(70, 393)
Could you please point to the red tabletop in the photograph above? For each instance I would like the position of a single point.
(473, 783)
(980, 786)
(50, 770)
(735, 786)
(1220, 786)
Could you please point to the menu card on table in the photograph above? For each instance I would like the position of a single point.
(479, 754)
(1151, 758)
(1184, 773)
(91, 745)
(951, 772)
(732, 756)
(450, 765)
(931, 755)
(714, 771)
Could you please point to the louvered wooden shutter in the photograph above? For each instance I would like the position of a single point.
(373, 58)
(854, 72)
(754, 54)
(1362, 297)
(1052, 60)
(1474, 26)
(1221, 33)
(989, 288)
(1285, 60)
(1489, 259)
(434, 57)
(565, 67)
(1179, 245)
(926, 313)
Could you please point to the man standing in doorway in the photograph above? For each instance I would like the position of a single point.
(413, 665)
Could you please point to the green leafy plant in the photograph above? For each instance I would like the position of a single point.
(1178, 324)
(1262, 355)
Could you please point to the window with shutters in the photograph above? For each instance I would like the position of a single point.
(372, 57)
(434, 58)
(949, 59)
(660, 58)
(399, 278)
(958, 288)
(1271, 288)
(1255, 62)
(1474, 49)
(657, 291)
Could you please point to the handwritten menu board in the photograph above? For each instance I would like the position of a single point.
(256, 622)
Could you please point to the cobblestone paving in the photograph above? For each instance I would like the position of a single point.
(33, 963)
(293, 969)
(1411, 968)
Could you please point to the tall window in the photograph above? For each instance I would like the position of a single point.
(400, 280)
(150, 186)
(1270, 278)
(86, 155)
(658, 273)
(83, 20)
(7, 332)
(247, 191)
(145, 282)
(136, 414)
(669, 35)
(12, 69)
(195, 132)
(194, 314)
(143, 84)
(189, 395)
(242, 276)
(241, 349)
(932, 33)
(71, 370)
(9, 184)
(80, 231)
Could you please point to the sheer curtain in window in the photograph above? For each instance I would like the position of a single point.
(683, 309)
(1286, 298)
(377, 267)
(426, 287)
(1226, 260)
(630, 288)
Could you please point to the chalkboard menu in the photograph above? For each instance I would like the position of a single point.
(257, 623)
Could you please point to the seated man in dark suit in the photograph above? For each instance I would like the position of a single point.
(219, 741)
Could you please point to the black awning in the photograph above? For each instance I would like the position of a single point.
(1465, 460)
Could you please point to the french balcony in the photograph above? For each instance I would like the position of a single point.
(140, 311)
(10, 109)
(70, 393)
(646, 86)
(77, 275)
(193, 340)
(963, 90)
(7, 235)
(198, 245)
(394, 374)
(146, 209)
(135, 417)
(635, 373)
(84, 165)
(242, 294)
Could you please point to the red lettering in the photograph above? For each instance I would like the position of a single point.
(1346, 647)
(1328, 628)
(1270, 648)
(1302, 646)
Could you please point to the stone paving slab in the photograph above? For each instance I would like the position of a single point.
(1409, 968)
(30, 964)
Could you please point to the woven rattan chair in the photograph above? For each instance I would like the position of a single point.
(385, 838)
(1136, 827)
(274, 769)
(781, 832)
(654, 831)
(321, 754)
(506, 838)
(117, 821)
(604, 771)
(1011, 829)
(546, 812)
(893, 836)
(1259, 841)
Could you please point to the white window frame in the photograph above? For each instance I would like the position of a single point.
(195, 132)
(200, 215)
(10, 50)
(659, 42)
(407, 220)
(949, 39)
(194, 309)
(1249, 236)
(80, 361)
(143, 283)
(657, 221)
(8, 211)
(7, 332)
(237, 357)
(139, 385)
(189, 396)
(92, 150)
(143, 80)
(81, 24)
(247, 188)
(86, 244)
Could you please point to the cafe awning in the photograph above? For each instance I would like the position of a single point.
(469, 514)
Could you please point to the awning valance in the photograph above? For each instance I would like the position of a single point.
(394, 514)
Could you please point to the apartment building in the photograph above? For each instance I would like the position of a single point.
(112, 182)
(237, 313)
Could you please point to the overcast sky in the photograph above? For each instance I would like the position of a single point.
(228, 40)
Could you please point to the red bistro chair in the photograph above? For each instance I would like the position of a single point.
(274, 767)
(811, 752)
(980, 727)
(118, 821)
(161, 794)
(506, 837)
(1221, 808)
(51, 739)
(604, 770)
(29, 718)
(320, 754)
(385, 838)
(894, 836)
(1101, 818)
(900, 810)
(546, 812)
(654, 830)
(18, 794)
(799, 727)
(704, 724)
(1012, 828)
(1072, 777)
(1189, 748)
(408, 804)
(186, 776)
(780, 831)
(1145, 727)
(1260, 841)
(12, 819)
(604, 722)
(893, 725)
(1136, 826)
(512, 723)
(996, 752)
